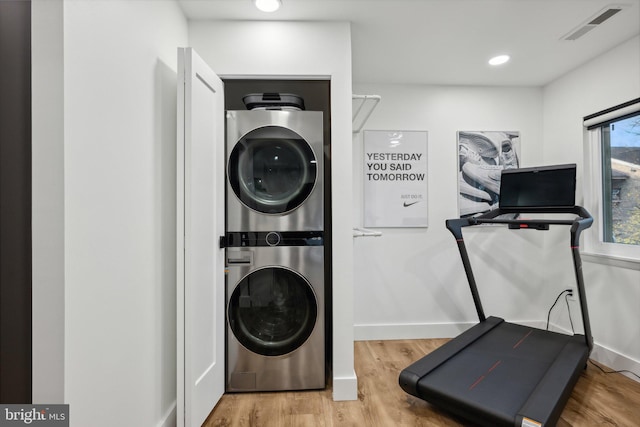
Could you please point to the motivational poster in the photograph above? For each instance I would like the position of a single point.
(395, 179)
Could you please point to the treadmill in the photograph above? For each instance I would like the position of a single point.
(499, 373)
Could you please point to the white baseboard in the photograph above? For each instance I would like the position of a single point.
(413, 331)
(345, 388)
(611, 359)
(408, 331)
(169, 419)
(615, 361)
(372, 332)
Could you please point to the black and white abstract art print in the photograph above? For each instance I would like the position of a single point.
(481, 157)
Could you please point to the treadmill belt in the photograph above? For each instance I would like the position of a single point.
(503, 358)
(494, 377)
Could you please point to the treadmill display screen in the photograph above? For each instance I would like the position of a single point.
(538, 187)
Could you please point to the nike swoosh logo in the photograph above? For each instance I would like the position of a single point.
(406, 205)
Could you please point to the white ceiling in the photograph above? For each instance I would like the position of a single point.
(448, 42)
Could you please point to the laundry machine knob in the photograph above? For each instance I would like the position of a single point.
(273, 238)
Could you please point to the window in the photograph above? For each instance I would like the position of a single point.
(621, 180)
(612, 181)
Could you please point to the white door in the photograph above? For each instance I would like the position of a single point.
(200, 223)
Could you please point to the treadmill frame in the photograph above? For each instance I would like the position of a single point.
(544, 404)
(580, 223)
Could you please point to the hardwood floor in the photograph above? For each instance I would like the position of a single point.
(598, 398)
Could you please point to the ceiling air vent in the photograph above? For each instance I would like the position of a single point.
(593, 22)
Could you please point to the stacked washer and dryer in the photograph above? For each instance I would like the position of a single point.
(275, 255)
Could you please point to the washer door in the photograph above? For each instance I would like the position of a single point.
(272, 311)
(272, 170)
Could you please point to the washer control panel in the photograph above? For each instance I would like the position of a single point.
(241, 239)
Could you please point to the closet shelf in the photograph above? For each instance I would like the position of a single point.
(363, 106)
(365, 232)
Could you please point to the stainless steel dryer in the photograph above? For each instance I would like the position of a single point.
(275, 311)
(274, 170)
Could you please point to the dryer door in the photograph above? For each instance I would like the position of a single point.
(272, 311)
(272, 170)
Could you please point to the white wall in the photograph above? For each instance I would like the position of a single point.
(612, 291)
(294, 49)
(410, 282)
(119, 210)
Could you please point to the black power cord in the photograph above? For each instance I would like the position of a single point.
(566, 299)
(566, 293)
(613, 372)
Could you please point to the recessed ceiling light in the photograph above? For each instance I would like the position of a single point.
(499, 60)
(268, 5)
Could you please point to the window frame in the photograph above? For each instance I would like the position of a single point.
(595, 248)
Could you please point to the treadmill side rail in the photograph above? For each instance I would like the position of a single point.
(411, 375)
(546, 402)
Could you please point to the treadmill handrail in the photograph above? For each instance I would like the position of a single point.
(582, 221)
(576, 209)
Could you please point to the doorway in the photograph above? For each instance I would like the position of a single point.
(316, 94)
(15, 202)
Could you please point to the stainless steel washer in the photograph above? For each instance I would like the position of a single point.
(274, 170)
(275, 311)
